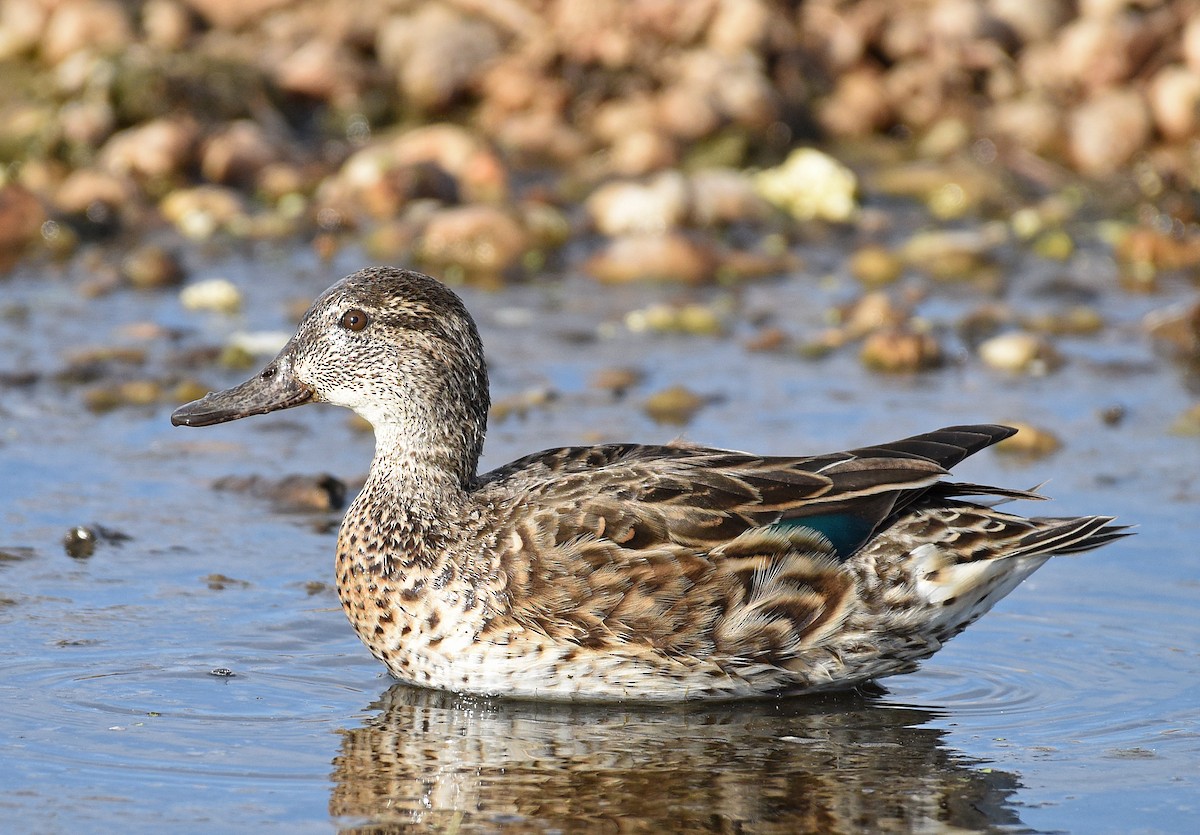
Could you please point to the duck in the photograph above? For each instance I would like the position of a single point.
(622, 571)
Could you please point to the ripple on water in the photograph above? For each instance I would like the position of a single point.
(179, 720)
(1026, 681)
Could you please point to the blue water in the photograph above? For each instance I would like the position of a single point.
(1074, 706)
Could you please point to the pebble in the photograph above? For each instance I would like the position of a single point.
(1030, 441)
(623, 208)
(482, 239)
(320, 493)
(875, 265)
(1020, 352)
(671, 257)
(152, 267)
(218, 295)
(1106, 131)
(811, 185)
(675, 406)
(156, 149)
(21, 219)
(901, 350)
(617, 380)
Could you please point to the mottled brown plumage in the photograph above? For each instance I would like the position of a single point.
(628, 571)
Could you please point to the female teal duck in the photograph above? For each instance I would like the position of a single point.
(624, 571)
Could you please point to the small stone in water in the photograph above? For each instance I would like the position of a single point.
(675, 405)
(80, 542)
(1020, 352)
(900, 350)
(1029, 441)
(222, 672)
(216, 294)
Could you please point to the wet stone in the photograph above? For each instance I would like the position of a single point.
(675, 406)
(321, 493)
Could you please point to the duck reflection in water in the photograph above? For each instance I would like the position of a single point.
(838, 763)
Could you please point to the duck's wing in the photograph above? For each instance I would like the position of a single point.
(699, 553)
(651, 496)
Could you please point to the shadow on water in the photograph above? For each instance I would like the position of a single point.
(835, 764)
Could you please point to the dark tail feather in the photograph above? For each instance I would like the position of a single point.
(1070, 535)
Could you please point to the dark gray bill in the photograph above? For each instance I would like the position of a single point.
(274, 388)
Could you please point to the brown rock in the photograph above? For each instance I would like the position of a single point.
(671, 257)
(436, 54)
(86, 187)
(675, 405)
(236, 153)
(858, 104)
(167, 24)
(157, 149)
(481, 239)
(1107, 131)
(1174, 95)
(900, 350)
(21, 219)
(22, 23)
(234, 14)
(75, 25)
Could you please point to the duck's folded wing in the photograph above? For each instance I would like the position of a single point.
(651, 496)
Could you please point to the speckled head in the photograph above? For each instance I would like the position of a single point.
(397, 347)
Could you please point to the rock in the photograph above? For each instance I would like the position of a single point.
(215, 294)
(810, 185)
(481, 239)
(1021, 353)
(722, 196)
(436, 54)
(694, 319)
(1176, 329)
(152, 267)
(234, 14)
(157, 149)
(167, 24)
(676, 405)
(1030, 441)
(872, 312)
(1188, 423)
(640, 152)
(1107, 131)
(858, 104)
(199, 212)
(76, 25)
(900, 350)
(478, 172)
(320, 493)
(670, 257)
(622, 208)
(875, 265)
(1033, 121)
(1031, 21)
(86, 124)
(1191, 43)
(1174, 95)
(237, 153)
(320, 69)
(616, 381)
(21, 219)
(22, 23)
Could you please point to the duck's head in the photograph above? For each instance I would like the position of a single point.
(397, 347)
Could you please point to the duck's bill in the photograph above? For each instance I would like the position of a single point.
(274, 389)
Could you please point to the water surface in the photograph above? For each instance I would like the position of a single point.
(199, 674)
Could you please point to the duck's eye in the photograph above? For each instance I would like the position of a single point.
(354, 319)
